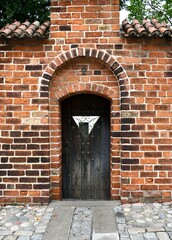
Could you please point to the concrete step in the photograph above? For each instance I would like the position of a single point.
(83, 203)
(104, 224)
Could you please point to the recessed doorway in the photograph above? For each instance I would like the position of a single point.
(85, 147)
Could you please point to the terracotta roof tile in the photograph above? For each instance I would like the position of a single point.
(25, 30)
(148, 28)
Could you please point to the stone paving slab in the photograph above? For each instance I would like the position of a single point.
(101, 216)
(59, 224)
(105, 236)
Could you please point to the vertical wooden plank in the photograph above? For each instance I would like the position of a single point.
(75, 161)
(96, 160)
(85, 163)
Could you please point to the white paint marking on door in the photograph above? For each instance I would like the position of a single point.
(91, 120)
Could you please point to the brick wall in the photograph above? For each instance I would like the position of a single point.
(134, 74)
(146, 154)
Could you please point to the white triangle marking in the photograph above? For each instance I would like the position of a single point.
(91, 120)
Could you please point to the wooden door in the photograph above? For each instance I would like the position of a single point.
(86, 147)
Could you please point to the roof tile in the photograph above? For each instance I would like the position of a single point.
(148, 28)
(25, 30)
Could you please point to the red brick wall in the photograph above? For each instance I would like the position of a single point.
(135, 75)
(146, 156)
(24, 136)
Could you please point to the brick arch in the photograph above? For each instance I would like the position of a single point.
(79, 88)
(103, 56)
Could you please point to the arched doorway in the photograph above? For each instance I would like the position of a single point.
(85, 147)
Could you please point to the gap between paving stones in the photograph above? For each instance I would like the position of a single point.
(81, 227)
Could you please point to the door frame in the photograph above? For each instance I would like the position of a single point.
(56, 137)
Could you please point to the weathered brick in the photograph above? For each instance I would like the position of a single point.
(16, 173)
(130, 161)
(130, 147)
(33, 67)
(65, 28)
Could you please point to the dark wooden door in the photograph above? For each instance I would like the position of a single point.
(86, 147)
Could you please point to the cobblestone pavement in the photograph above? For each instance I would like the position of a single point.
(149, 221)
(23, 222)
